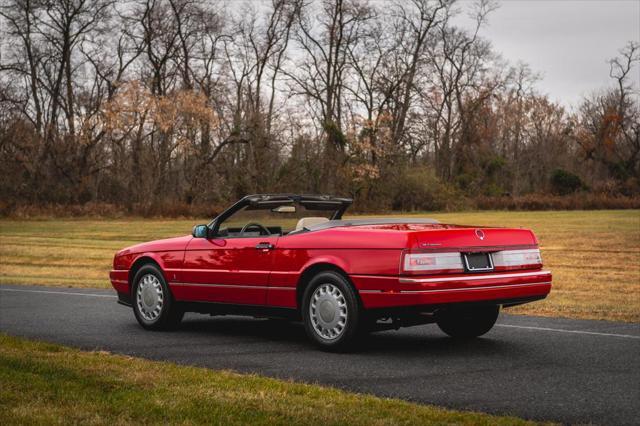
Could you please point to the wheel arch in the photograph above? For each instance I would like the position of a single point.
(312, 270)
(144, 259)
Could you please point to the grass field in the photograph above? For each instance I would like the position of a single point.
(594, 255)
(41, 383)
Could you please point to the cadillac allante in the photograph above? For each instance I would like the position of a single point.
(295, 257)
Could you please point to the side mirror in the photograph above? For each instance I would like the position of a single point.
(200, 231)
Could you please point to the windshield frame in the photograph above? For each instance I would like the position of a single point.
(312, 202)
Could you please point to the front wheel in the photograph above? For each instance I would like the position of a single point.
(331, 311)
(153, 305)
(467, 322)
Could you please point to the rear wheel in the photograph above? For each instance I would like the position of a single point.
(331, 311)
(469, 321)
(153, 304)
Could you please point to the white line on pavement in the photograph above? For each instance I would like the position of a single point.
(560, 330)
(59, 292)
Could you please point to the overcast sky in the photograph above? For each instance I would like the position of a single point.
(568, 41)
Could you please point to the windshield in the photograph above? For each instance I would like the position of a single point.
(256, 220)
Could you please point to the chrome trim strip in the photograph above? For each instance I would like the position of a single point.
(181, 284)
(473, 277)
(490, 287)
(375, 277)
(475, 288)
(228, 271)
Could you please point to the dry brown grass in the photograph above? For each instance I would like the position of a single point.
(594, 255)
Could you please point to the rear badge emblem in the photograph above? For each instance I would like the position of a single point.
(480, 234)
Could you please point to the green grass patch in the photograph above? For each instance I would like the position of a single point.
(594, 255)
(43, 383)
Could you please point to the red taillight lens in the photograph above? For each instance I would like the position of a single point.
(517, 259)
(418, 261)
(432, 263)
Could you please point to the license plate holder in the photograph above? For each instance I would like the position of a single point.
(478, 262)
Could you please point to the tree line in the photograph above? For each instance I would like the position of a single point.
(154, 105)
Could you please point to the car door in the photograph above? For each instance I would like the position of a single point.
(227, 270)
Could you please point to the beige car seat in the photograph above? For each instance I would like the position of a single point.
(306, 222)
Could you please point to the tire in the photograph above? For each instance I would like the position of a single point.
(468, 322)
(331, 312)
(153, 304)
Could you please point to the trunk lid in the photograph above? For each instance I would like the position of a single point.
(470, 238)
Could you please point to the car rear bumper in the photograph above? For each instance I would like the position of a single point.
(388, 292)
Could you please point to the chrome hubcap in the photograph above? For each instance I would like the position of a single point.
(328, 311)
(149, 297)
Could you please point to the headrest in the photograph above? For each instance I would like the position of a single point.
(306, 222)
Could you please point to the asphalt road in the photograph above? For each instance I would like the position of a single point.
(571, 371)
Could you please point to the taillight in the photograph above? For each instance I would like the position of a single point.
(517, 259)
(452, 262)
(433, 263)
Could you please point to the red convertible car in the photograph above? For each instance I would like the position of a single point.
(294, 256)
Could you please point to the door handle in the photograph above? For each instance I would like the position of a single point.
(264, 246)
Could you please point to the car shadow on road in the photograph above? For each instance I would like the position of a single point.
(420, 340)
(242, 327)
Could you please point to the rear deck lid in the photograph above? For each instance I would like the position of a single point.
(470, 238)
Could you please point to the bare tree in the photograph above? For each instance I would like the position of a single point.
(460, 60)
(608, 129)
(415, 26)
(167, 105)
(320, 75)
(20, 19)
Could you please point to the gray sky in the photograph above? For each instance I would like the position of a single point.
(567, 41)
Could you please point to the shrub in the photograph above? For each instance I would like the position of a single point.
(419, 189)
(564, 182)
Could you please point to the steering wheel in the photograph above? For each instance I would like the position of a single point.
(255, 225)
